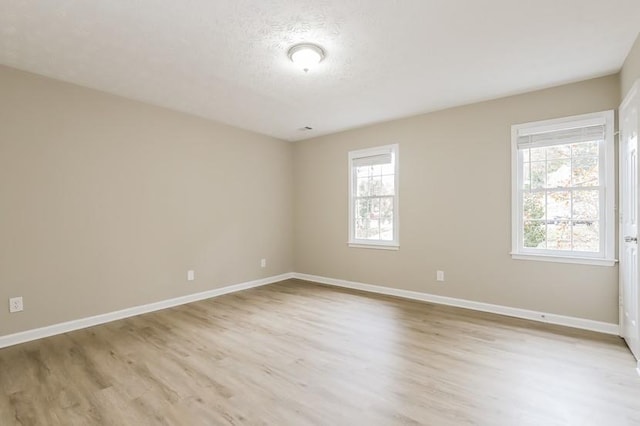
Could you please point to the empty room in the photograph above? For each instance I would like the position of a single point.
(277, 212)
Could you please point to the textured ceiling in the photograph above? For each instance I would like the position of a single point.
(227, 59)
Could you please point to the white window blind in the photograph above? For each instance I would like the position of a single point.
(372, 160)
(561, 137)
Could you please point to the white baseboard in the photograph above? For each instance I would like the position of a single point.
(581, 323)
(39, 333)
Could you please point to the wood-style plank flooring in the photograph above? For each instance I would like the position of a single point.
(296, 353)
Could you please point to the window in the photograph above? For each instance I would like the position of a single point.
(563, 189)
(373, 197)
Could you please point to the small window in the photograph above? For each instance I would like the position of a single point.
(563, 190)
(373, 197)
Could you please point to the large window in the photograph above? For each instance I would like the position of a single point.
(563, 189)
(373, 197)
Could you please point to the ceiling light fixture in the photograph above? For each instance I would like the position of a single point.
(306, 55)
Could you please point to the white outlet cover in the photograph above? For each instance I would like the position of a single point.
(16, 304)
(191, 275)
(263, 263)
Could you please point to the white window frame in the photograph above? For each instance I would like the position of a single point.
(606, 255)
(394, 244)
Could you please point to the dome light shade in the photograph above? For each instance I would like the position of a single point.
(306, 56)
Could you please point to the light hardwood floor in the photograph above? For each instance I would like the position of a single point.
(296, 353)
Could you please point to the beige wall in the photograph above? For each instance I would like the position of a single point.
(455, 207)
(631, 68)
(106, 202)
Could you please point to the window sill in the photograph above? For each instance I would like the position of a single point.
(374, 246)
(564, 259)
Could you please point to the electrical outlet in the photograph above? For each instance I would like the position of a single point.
(439, 275)
(263, 263)
(191, 275)
(15, 304)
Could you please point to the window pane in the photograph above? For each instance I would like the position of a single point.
(559, 173)
(585, 171)
(558, 205)
(538, 154)
(387, 187)
(376, 185)
(374, 219)
(386, 218)
(558, 152)
(534, 234)
(375, 170)
(534, 207)
(362, 229)
(538, 174)
(585, 148)
(362, 172)
(586, 205)
(525, 155)
(365, 171)
(388, 169)
(559, 235)
(363, 213)
(386, 232)
(586, 236)
(363, 187)
(367, 214)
